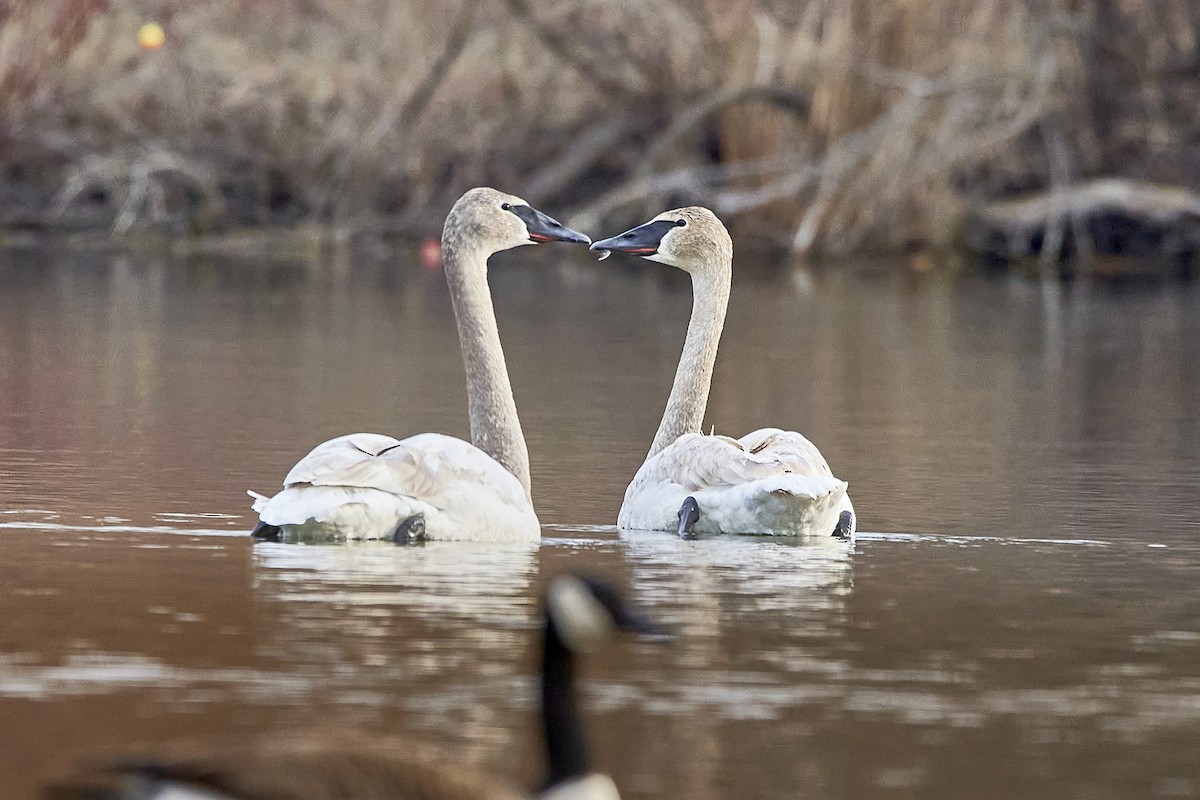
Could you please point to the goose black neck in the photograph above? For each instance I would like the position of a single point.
(566, 750)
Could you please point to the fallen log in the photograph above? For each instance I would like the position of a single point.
(1109, 217)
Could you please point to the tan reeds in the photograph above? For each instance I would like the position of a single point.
(842, 124)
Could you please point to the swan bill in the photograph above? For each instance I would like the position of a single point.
(543, 228)
(644, 240)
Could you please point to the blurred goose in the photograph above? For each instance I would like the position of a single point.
(770, 481)
(580, 614)
(433, 486)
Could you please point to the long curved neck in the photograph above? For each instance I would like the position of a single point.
(562, 722)
(689, 393)
(495, 428)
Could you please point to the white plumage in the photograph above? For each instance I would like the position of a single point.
(363, 485)
(769, 482)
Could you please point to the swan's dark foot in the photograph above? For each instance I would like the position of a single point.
(410, 530)
(265, 533)
(689, 515)
(845, 525)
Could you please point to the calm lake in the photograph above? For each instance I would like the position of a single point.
(1020, 616)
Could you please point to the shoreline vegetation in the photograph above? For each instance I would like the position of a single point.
(830, 128)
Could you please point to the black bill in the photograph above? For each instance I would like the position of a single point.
(640, 241)
(546, 229)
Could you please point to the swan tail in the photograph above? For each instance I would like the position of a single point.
(260, 501)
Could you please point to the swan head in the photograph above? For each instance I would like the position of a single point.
(585, 611)
(692, 239)
(497, 221)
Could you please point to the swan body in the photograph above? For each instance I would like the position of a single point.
(365, 485)
(433, 486)
(580, 615)
(770, 481)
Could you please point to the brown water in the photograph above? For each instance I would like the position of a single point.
(1020, 617)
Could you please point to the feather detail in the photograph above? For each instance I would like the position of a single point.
(361, 486)
(770, 482)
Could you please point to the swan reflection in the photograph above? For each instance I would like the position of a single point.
(754, 616)
(437, 632)
(802, 576)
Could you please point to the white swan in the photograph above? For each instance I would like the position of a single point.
(767, 482)
(580, 615)
(433, 486)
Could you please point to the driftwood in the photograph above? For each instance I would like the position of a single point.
(1118, 217)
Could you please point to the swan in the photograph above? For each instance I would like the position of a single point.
(579, 614)
(769, 481)
(433, 486)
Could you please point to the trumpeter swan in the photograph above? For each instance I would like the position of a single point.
(433, 486)
(767, 482)
(579, 613)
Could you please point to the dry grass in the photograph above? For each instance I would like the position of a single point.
(834, 125)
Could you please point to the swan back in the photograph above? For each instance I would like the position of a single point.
(770, 482)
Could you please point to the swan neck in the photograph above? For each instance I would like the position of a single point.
(562, 722)
(689, 393)
(495, 427)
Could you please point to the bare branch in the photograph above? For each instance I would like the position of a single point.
(796, 102)
(578, 157)
(557, 43)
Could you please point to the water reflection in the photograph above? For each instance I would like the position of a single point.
(461, 583)
(439, 630)
(771, 573)
(728, 596)
(97, 672)
(443, 600)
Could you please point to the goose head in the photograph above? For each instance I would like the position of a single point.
(691, 239)
(582, 612)
(497, 221)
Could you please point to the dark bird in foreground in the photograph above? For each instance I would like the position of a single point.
(580, 614)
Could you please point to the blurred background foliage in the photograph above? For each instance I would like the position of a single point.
(832, 126)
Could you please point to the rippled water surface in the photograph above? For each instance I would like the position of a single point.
(1020, 617)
